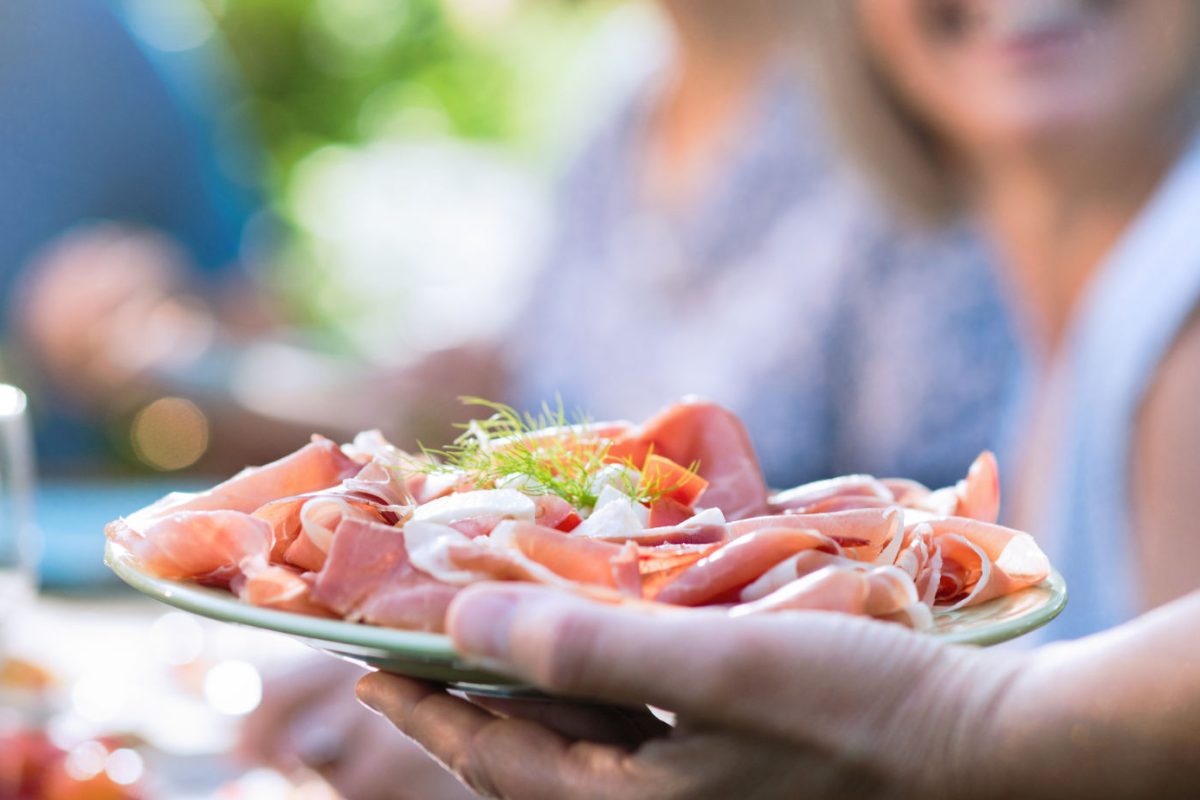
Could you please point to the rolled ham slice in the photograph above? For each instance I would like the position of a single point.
(788, 570)
(982, 561)
(302, 527)
(884, 592)
(921, 560)
(736, 563)
(868, 534)
(523, 551)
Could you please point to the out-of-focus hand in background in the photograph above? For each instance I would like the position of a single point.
(103, 305)
(309, 719)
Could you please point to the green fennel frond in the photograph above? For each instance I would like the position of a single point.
(546, 453)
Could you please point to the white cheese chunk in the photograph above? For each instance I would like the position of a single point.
(613, 519)
(507, 503)
(611, 495)
(618, 476)
(709, 516)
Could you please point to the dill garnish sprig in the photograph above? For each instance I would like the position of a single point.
(545, 453)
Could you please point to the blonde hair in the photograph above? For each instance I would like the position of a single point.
(873, 123)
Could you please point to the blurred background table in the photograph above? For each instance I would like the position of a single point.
(173, 685)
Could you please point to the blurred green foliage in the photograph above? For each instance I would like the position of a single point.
(348, 71)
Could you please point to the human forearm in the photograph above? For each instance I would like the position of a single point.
(1113, 715)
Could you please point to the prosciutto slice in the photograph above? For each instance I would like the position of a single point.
(788, 570)
(523, 551)
(320, 464)
(867, 534)
(858, 589)
(833, 494)
(279, 587)
(302, 527)
(921, 560)
(368, 576)
(700, 431)
(212, 547)
(982, 561)
(978, 494)
(738, 562)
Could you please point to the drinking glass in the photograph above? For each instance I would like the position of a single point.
(19, 540)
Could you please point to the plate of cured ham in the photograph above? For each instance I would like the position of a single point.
(359, 549)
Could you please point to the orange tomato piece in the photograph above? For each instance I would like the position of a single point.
(685, 486)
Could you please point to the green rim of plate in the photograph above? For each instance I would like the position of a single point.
(432, 655)
(215, 604)
(1004, 618)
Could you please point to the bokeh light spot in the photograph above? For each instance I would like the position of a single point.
(12, 401)
(170, 433)
(97, 700)
(233, 687)
(124, 766)
(86, 761)
(176, 638)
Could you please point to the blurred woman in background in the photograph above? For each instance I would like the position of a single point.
(1068, 128)
(710, 241)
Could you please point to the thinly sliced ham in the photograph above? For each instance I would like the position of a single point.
(206, 536)
(982, 561)
(736, 563)
(320, 464)
(302, 527)
(867, 534)
(790, 569)
(704, 432)
(579, 560)
(978, 494)
(684, 533)
(282, 588)
(381, 482)
(212, 547)
(367, 576)
(921, 560)
(833, 494)
(661, 563)
(884, 592)
(828, 589)
(905, 491)
(522, 551)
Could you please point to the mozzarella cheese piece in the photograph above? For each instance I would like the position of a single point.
(507, 503)
(616, 476)
(617, 517)
(709, 516)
